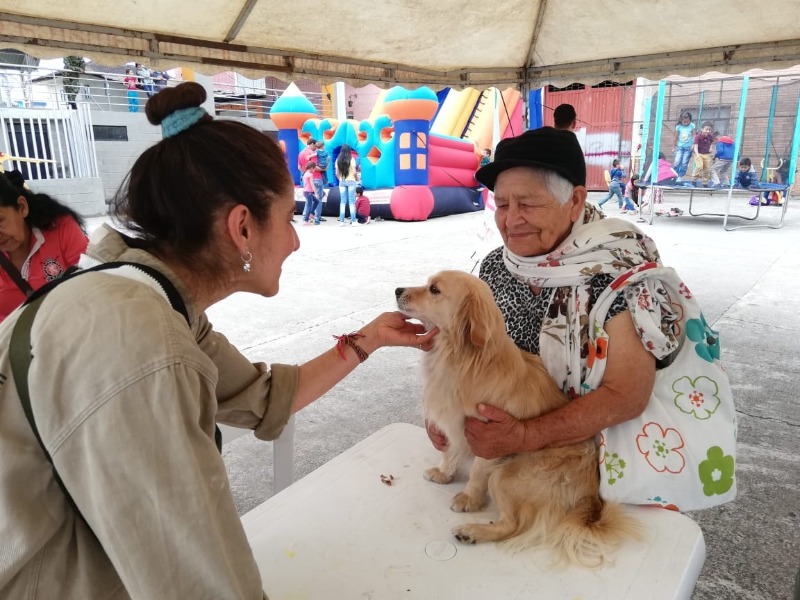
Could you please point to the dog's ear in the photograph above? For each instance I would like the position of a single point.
(477, 320)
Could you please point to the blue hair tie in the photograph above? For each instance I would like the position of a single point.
(181, 120)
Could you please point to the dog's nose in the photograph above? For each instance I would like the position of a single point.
(399, 292)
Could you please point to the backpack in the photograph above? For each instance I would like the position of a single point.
(20, 345)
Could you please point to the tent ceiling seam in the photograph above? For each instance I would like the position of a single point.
(537, 28)
(241, 19)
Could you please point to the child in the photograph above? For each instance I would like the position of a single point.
(684, 136)
(486, 158)
(746, 176)
(362, 206)
(130, 82)
(632, 190)
(308, 191)
(665, 173)
(323, 159)
(702, 153)
(723, 158)
(615, 188)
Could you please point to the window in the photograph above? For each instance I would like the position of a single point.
(110, 133)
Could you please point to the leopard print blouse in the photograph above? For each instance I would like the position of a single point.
(524, 311)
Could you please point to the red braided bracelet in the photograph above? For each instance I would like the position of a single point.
(349, 339)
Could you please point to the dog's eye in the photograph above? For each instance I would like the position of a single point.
(434, 290)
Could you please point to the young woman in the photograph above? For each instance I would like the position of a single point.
(126, 393)
(347, 174)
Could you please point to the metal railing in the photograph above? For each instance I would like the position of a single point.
(47, 88)
(48, 143)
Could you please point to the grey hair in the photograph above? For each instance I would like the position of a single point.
(555, 184)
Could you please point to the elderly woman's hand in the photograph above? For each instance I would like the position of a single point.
(499, 435)
(436, 436)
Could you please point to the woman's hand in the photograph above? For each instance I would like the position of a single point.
(499, 435)
(436, 436)
(394, 329)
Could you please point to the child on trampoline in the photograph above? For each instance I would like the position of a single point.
(723, 158)
(746, 176)
(702, 153)
(684, 136)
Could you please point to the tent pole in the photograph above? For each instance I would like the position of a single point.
(737, 145)
(795, 146)
(662, 87)
(770, 121)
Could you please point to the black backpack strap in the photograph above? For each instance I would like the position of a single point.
(15, 275)
(20, 348)
(20, 357)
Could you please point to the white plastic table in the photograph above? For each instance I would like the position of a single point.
(341, 533)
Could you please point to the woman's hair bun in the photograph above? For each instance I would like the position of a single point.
(186, 95)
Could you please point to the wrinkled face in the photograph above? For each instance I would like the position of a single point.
(14, 231)
(273, 244)
(532, 222)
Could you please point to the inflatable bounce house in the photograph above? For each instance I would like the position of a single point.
(418, 150)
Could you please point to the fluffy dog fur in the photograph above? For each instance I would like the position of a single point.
(549, 497)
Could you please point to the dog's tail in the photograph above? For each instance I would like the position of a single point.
(591, 531)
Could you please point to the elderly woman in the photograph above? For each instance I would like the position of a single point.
(127, 382)
(588, 294)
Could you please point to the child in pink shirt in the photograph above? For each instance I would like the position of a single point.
(309, 192)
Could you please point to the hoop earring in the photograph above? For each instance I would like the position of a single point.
(246, 258)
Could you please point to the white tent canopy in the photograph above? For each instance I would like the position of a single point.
(417, 42)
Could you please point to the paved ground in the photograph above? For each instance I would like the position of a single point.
(748, 283)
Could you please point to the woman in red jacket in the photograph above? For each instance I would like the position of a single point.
(40, 238)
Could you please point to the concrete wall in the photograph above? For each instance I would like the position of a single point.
(115, 159)
(84, 195)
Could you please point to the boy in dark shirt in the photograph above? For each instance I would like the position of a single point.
(746, 176)
(702, 153)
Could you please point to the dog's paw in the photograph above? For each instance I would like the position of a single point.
(464, 534)
(437, 476)
(465, 503)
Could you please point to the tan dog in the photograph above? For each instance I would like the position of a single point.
(549, 497)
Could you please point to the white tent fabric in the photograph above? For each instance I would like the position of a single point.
(460, 43)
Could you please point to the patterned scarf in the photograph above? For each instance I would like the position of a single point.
(595, 245)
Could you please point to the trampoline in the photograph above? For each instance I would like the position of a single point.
(729, 192)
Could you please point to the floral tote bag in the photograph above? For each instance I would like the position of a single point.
(681, 452)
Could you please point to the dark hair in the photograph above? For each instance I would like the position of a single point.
(176, 188)
(311, 141)
(310, 165)
(615, 162)
(564, 115)
(708, 124)
(43, 210)
(359, 190)
(746, 161)
(685, 114)
(344, 160)
(662, 156)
